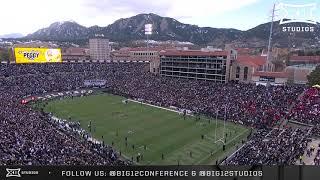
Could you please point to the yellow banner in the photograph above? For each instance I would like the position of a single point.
(37, 55)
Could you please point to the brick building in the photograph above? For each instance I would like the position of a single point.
(75, 54)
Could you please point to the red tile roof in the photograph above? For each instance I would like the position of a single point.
(304, 58)
(243, 51)
(193, 53)
(121, 55)
(251, 60)
(75, 51)
(271, 74)
(142, 49)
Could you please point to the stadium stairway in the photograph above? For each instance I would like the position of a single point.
(310, 160)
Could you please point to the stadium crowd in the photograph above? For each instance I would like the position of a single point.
(307, 108)
(317, 158)
(272, 147)
(30, 137)
(248, 104)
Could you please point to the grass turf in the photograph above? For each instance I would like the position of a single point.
(161, 131)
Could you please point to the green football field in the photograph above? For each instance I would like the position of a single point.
(161, 136)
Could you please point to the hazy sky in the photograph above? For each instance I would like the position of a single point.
(27, 16)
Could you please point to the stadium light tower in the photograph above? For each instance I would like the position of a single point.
(273, 15)
(148, 32)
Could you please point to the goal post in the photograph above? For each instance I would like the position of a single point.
(222, 138)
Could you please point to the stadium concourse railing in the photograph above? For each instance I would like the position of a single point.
(300, 123)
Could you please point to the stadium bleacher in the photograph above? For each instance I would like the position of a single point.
(29, 137)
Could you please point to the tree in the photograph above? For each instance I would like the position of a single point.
(4, 55)
(314, 77)
(11, 55)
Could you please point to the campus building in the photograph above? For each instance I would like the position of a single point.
(244, 66)
(138, 54)
(75, 54)
(196, 64)
(99, 49)
(300, 67)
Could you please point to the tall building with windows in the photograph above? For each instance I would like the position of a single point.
(99, 49)
(195, 64)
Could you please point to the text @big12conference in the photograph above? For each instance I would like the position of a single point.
(161, 173)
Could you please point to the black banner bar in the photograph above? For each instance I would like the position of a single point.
(161, 172)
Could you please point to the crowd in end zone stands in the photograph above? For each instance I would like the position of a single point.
(29, 137)
(272, 147)
(307, 108)
(286, 149)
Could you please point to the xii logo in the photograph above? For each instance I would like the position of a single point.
(13, 172)
(291, 13)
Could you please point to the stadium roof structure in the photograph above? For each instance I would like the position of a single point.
(193, 53)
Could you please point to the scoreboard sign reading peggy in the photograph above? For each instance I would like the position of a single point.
(37, 55)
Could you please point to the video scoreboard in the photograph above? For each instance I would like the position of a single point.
(37, 55)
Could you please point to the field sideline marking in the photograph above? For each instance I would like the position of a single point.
(206, 157)
(168, 109)
(235, 152)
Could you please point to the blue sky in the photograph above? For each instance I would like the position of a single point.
(251, 15)
(27, 16)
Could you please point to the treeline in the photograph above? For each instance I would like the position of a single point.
(314, 77)
(6, 55)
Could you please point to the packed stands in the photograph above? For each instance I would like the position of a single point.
(30, 137)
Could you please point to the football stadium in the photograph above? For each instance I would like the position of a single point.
(160, 136)
(121, 114)
(165, 89)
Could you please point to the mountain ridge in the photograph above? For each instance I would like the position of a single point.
(12, 35)
(166, 28)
